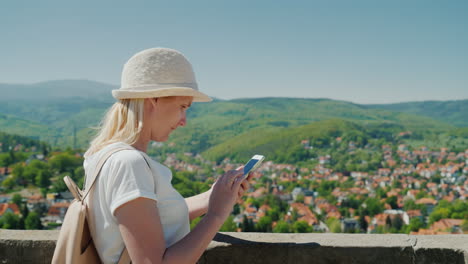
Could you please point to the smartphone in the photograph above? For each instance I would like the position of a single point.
(253, 163)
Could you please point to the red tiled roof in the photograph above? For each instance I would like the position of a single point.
(57, 208)
(4, 170)
(5, 206)
(414, 213)
(426, 201)
(305, 213)
(445, 224)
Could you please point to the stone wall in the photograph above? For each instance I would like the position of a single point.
(31, 246)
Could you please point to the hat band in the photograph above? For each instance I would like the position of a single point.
(161, 85)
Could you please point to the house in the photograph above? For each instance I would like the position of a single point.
(250, 211)
(262, 211)
(9, 207)
(308, 200)
(398, 213)
(304, 213)
(333, 213)
(5, 170)
(57, 212)
(258, 192)
(324, 159)
(384, 172)
(448, 225)
(296, 192)
(349, 225)
(429, 202)
(36, 201)
(415, 214)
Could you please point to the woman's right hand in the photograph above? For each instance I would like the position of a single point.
(224, 194)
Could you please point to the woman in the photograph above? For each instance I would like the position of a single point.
(133, 203)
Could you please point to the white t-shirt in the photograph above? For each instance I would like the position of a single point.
(124, 177)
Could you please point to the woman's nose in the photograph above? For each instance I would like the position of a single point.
(183, 120)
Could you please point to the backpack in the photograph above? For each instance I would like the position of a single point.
(75, 244)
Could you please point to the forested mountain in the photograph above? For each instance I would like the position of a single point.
(10, 140)
(311, 145)
(453, 112)
(58, 89)
(62, 112)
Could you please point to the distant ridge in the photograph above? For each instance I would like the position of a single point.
(56, 110)
(58, 89)
(453, 111)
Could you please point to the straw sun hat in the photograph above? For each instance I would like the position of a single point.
(158, 72)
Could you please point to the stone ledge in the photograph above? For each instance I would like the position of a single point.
(33, 246)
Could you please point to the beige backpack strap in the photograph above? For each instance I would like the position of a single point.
(98, 169)
(124, 257)
(73, 188)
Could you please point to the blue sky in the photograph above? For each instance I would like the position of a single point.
(358, 51)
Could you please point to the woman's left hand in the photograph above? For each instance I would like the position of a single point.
(245, 185)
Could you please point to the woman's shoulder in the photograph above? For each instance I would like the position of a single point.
(125, 155)
(128, 155)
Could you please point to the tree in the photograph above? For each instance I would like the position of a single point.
(464, 225)
(300, 198)
(9, 183)
(33, 221)
(65, 162)
(392, 201)
(247, 225)
(334, 225)
(373, 206)
(294, 215)
(17, 173)
(363, 223)
(410, 205)
(5, 160)
(10, 220)
(388, 222)
(229, 225)
(415, 224)
(17, 199)
(59, 185)
(301, 227)
(439, 213)
(274, 213)
(459, 210)
(282, 227)
(397, 223)
(42, 179)
(264, 224)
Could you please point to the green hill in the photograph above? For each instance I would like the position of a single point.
(9, 141)
(281, 144)
(61, 113)
(14, 125)
(452, 112)
(58, 89)
(214, 123)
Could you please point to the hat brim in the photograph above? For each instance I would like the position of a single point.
(161, 92)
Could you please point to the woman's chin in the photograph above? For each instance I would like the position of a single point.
(161, 139)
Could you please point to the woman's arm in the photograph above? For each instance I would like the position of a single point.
(198, 204)
(142, 232)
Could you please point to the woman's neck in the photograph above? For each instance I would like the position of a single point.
(141, 144)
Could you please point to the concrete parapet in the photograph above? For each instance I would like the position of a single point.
(35, 246)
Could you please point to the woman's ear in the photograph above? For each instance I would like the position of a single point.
(152, 102)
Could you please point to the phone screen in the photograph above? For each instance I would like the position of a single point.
(248, 167)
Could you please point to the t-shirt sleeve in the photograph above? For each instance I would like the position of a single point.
(130, 178)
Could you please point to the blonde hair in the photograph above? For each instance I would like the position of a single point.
(123, 122)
